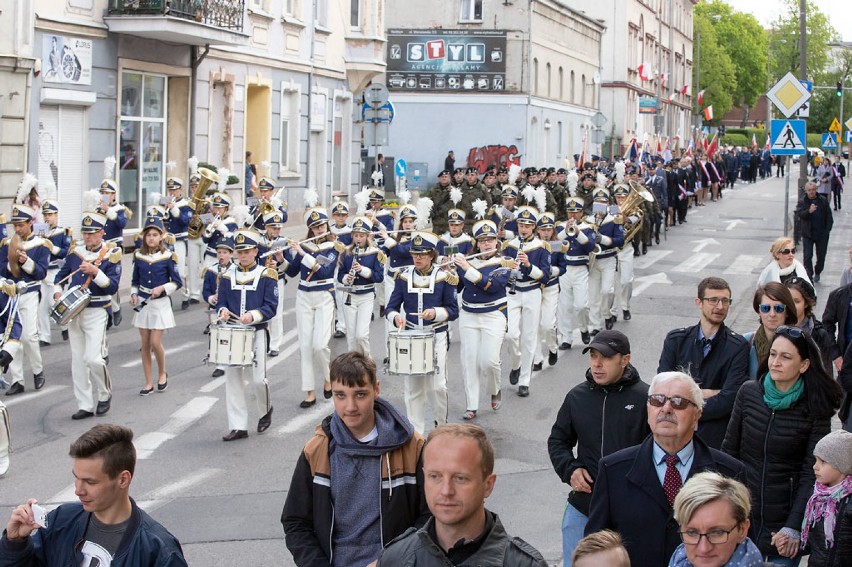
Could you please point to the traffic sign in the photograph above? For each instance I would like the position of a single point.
(849, 124)
(835, 126)
(788, 94)
(829, 141)
(376, 94)
(788, 137)
(849, 136)
(400, 167)
(804, 111)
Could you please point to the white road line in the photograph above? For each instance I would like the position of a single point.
(696, 262)
(180, 420)
(169, 352)
(216, 383)
(745, 264)
(64, 495)
(32, 395)
(212, 385)
(285, 354)
(653, 256)
(304, 419)
(179, 486)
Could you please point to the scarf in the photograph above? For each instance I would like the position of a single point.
(761, 345)
(745, 554)
(778, 400)
(786, 271)
(823, 504)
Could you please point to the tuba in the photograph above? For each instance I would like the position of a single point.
(208, 178)
(632, 207)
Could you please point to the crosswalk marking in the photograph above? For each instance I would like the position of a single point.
(27, 396)
(696, 262)
(653, 256)
(169, 352)
(180, 420)
(167, 493)
(305, 419)
(745, 264)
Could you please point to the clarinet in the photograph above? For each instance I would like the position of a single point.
(513, 275)
(356, 251)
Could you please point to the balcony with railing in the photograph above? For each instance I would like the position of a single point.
(191, 22)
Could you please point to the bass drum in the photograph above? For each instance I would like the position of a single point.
(411, 353)
(72, 302)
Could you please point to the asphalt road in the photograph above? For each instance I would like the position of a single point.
(223, 501)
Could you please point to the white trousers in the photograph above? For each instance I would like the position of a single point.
(339, 317)
(524, 314)
(240, 380)
(45, 306)
(5, 439)
(624, 279)
(88, 371)
(358, 316)
(315, 319)
(384, 290)
(482, 334)
(547, 322)
(194, 265)
(28, 305)
(276, 324)
(573, 301)
(180, 252)
(601, 291)
(431, 388)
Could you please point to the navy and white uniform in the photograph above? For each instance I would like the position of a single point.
(60, 242)
(602, 269)
(510, 227)
(265, 244)
(342, 234)
(574, 283)
(550, 300)
(159, 268)
(177, 224)
(116, 221)
(358, 290)
(215, 231)
(10, 331)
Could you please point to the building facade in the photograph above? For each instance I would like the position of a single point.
(499, 83)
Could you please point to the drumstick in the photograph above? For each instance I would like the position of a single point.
(66, 278)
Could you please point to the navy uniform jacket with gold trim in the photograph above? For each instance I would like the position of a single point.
(177, 219)
(578, 247)
(485, 284)
(538, 252)
(152, 270)
(250, 290)
(34, 270)
(116, 221)
(510, 227)
(558, 264)
(264, 245)
(409, 285)
(312, 275)
(464, 242)
(398, 252)
(255, 218)
(212, 279)
(12, 343)
(612, 236)
(343, 233)
(60, 243)
(372, 271)
(215, 231)
(105, 283)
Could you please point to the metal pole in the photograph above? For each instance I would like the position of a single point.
(803, 74)
(787, 192)
(837, 151)
(670, 110)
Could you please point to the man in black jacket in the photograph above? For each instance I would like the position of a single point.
(714, 355)
(835, 319)
(635, 487)
(605, 413)
(816, 222)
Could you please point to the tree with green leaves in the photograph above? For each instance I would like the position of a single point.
(714, 73)
(784, 40)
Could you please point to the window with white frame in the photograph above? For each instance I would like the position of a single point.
(355, 14)
(260, 5)
(288, 157)
(321, 13)
(471, 11)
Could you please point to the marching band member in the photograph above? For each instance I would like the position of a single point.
(482, 319)
(95, 266)
(381, 217)
(455, 235)
(503, 216)
(212, 279)
(117, 216)
(625, 256)
(248, 294)
(59, 242)
(398, 251)
(272, 223)
(545, 229)
(424, 296)
(155, 277)
(28, 265)
(178, 214)
(579, 240)
(315, 263)
(195, 248)
(610, 237)
(222, 225)
(532, 265)
(361, 268)
(343, 233)
(10, 327)
(266, 189)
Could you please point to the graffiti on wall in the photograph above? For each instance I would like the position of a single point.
(496, 155)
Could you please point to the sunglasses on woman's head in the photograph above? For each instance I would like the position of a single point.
(766, 308)
(792, 332)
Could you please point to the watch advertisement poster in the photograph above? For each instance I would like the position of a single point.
(67, 60)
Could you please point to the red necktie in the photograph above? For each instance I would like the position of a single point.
(671, 481)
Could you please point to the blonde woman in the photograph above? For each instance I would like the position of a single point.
(784, 265)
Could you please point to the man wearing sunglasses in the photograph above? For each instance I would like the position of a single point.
(814, 213)
(635, 487)
(713, 354)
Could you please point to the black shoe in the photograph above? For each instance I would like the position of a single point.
(82, 414)
(272, 353)
(207, 330)
(552, 358)
(594, 332)
(627, 315)
(184, 305)
(103, 406)
(657, 239)
(584, 335)
(193, 301)
(523, 391)
(162, 387)
(635, 251)
(39, 380)
(218, 372)
(43, 344)
(816, 278)
(235, 434)
(381, 310)
(385, 360)
(305, 404)
(264, 422)
(339, 334)
(106, 360)
(565, 346)
(514, 376)
(146, 391)
(15, 388)
(609, 323)
(537, 366)
(65, 335)
(117, 318)
(644, 248)
(326, 394)
(372, 317)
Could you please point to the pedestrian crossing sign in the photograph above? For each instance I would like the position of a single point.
(829, 141)
(788, 137)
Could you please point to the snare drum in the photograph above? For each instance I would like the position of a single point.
(72, 302)
(411, 353)
(231, 345)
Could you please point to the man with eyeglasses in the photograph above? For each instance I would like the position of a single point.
(636, 487)
(715, 356)
(816, 221)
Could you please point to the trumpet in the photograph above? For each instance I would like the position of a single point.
(283, 243)
(449, 261)
(349, 278)
(571, 228)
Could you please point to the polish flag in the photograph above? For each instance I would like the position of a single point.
(701, 97)
(644, 71)
(753, 141)
(663, 78)
(684, 89)
(708, 113)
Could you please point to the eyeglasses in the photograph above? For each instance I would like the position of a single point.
(766, 308)
(678, 403)
(714, 301)
(693, 537)
(787, 251)
(792, 332)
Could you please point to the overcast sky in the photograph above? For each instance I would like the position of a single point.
(839, 12)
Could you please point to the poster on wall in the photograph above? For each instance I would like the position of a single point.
(446, 60)
(67, 60)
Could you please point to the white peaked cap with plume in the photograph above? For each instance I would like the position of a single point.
(192, 164)
(362, 201)
(620, 169)
(514, 171)
(27, 183)
(311, 198)
(572, 180)
(240, 214)
(91, 200)
(480, 207)
(109, 167)
(455, 195)
(424, 212)
(403, 196)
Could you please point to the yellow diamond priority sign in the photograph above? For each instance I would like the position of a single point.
(835, 126)
(788, 94)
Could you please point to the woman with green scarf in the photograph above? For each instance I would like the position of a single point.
(775, 425)
(774, 304)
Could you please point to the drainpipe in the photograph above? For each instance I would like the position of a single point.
(310, 98)
(195, 60)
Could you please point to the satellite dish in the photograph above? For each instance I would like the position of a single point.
(596, 79)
